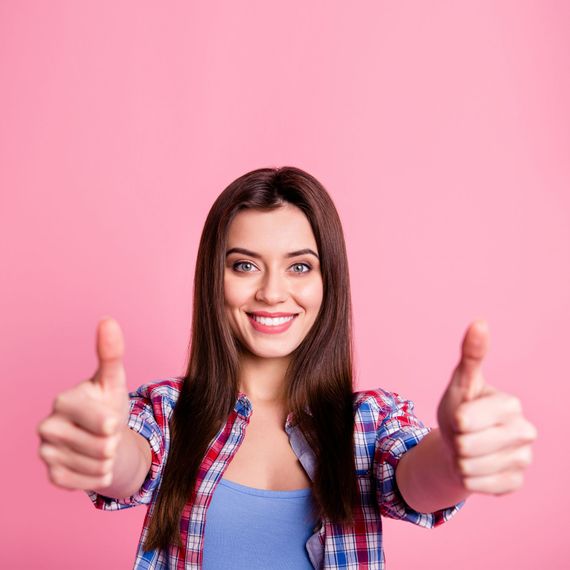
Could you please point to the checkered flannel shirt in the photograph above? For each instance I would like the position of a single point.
(385, 428)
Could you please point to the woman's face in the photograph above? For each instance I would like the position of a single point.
(273, 285)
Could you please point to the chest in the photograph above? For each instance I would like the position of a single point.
(265, 459)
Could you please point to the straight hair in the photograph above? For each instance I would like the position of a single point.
(319, 379)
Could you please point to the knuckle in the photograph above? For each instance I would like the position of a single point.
(108, 447)
(47, 428)
(532, 433)
(460, 419)
(525, 433)
(527, 456)
(109, 465)
(463, 466)
(515, 480)
(469, 484)
(106, 480)
(514, 404)
(100, 451)
(462, 445)
(40, 428)
(46, 453)
(104, 467)
(57, 477)
(521, 461)
(59, 402)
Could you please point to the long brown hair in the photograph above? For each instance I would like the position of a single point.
(319, 375)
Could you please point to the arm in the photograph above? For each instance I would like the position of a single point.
(427, 478)
(131, 466)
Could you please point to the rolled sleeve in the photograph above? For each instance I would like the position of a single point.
(399, 431)
(149, 413)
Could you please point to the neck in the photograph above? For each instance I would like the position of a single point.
(262, 380)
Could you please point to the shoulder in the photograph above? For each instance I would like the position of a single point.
(377, 398)
(162, 392)
(374, 405)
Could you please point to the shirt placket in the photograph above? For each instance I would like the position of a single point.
(307, 458)
(228, 442)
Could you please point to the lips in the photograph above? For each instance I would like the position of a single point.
(270, 329)
(271, 315)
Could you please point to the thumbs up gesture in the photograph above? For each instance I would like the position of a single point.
(79, 439)
(485, 429)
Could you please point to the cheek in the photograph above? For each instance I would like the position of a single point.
(311, 294)
(236, 293)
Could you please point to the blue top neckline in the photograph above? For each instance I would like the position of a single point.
(305, 492)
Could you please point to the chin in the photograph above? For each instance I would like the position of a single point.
(269, 353)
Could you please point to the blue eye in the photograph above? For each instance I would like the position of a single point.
(235, 266)
(248, 267)
(302, 265)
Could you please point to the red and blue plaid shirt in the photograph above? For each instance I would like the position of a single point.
(385, 428)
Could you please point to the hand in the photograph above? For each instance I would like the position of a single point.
(80, 437)
(486, 431)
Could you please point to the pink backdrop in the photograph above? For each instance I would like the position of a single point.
(442, 131)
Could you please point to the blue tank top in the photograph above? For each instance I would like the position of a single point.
(254, 529)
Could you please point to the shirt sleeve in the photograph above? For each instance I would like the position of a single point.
(150, 409)
(399, 431)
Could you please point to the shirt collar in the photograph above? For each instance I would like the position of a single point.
(244, 409)
(243, 406)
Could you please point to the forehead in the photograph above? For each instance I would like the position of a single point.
(285, 228)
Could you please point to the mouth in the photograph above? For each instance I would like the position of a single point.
(277, 323)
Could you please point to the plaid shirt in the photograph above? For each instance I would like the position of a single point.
(385, 428)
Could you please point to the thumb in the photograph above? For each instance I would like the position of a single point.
(110, 349)
(468, 376)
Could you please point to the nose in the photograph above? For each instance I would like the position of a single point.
(272, 288)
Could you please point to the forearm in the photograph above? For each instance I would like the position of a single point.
(427, 477)
(131, 466)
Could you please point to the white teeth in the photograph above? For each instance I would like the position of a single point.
(272, 322)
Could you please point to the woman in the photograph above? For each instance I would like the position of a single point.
(265, 433)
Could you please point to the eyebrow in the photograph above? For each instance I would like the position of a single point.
(253, 254)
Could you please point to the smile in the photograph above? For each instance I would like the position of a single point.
(270, 325)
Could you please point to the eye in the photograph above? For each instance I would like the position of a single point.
(306, 265)
(247, 266)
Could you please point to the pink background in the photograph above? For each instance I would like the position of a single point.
(442, 131)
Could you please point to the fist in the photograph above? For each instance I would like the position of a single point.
(79, 439)
(487, 434)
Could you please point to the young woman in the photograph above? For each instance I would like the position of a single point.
(263, 455)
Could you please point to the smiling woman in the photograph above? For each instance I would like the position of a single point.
(263, 455)
(272, 243)
(272, 296)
